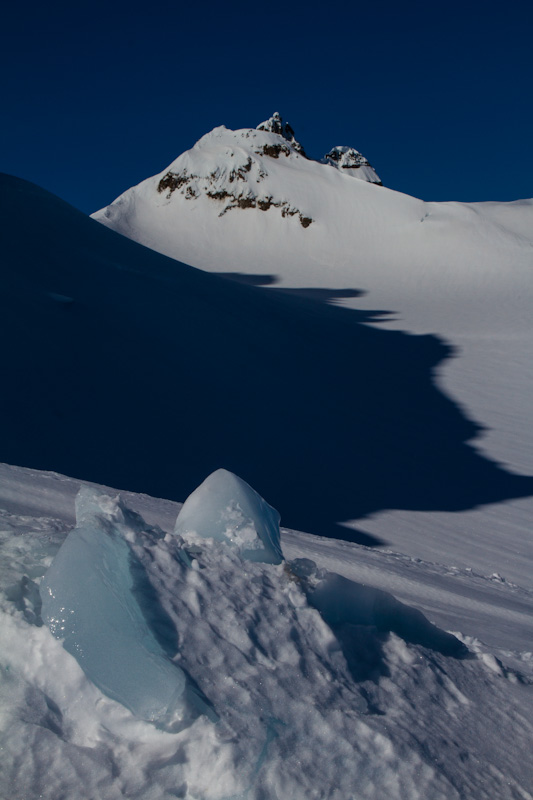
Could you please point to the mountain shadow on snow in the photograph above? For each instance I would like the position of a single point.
(313, 292)
(126, 368)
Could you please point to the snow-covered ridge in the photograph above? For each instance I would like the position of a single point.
(230, 167)
(237, 170)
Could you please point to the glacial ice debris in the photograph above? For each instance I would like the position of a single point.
(91, 601)
(97, 599)
(342, 602)
(225, 508)
(107, 596)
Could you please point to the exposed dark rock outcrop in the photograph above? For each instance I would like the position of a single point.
(348, 158)
(276, 125)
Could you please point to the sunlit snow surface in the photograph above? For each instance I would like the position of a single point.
(322, 677)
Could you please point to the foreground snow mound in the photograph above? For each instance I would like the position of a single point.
(313, 686)
(92, 600)
(226, 509)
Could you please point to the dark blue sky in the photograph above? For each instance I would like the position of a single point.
(96, 97)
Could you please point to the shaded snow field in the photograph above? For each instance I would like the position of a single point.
(329, 672)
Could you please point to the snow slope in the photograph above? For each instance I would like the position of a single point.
(129, 369)
(319, 685)
(463, 271)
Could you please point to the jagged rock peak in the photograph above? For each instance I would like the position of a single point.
(276, 125)
(348, 158)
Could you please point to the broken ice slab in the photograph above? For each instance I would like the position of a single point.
(89, 601)
(341, 601)
(227, 509)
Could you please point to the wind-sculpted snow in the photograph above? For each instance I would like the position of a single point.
(226, 509)
(307, 684)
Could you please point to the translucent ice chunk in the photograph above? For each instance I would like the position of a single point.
(227, 509)
(341, 602)
(89, 601)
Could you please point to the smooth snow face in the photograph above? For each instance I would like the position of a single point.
(315, 684)
(226, 509)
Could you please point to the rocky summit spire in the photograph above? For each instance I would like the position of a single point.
(276, 125)
(351, 160)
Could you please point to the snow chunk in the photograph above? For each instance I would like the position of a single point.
(227, 509)
(92, 601)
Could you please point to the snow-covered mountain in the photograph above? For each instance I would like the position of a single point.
(463, 271)
(124, 345)
(230, 170)
(149, 655)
